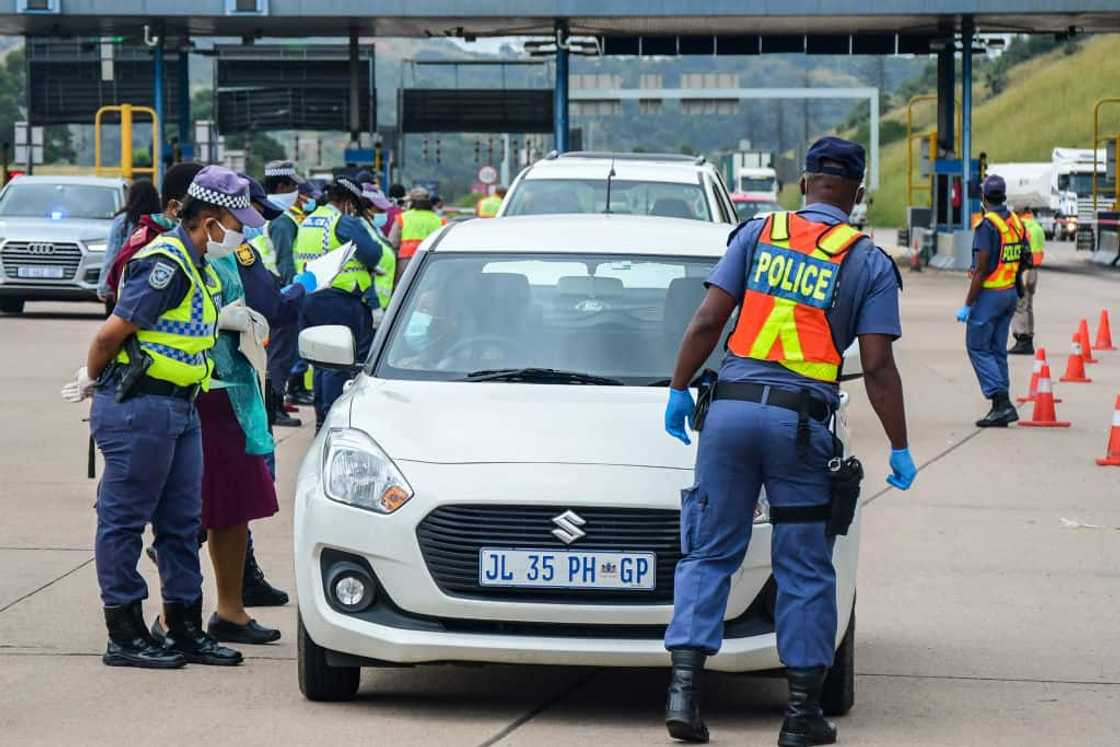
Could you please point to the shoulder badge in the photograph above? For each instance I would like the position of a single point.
(160, 276)
(246, 256)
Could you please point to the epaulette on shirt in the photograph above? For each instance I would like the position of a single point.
(246, 256)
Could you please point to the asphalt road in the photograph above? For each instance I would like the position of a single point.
(987, 615)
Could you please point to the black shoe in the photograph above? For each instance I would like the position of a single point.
(298, 394)
(1002, 414)
(805, 724)
(682, 705)
(1024, 345)
(277, 415)
(255, 589)
(129, 642)
(185, 634)
(251, 633)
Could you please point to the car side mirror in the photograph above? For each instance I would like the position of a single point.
(328, 346)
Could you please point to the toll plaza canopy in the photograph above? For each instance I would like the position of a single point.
(301, 18)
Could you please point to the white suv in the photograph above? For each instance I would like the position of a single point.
(669, 186)
(496, 485)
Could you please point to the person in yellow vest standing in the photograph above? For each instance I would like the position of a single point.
(351, 295)
(413, 226)
(768, 427)
(489, 206)
(999, 245)
(1022, 324)
(385, 277)
(147, 363)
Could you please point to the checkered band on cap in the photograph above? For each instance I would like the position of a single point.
(350, 186)
(280, 170)
(234, 202)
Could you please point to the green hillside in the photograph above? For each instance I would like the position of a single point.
(1048, 102)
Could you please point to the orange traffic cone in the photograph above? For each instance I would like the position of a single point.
(1075, 365)
(1112, 454)
(1086, 349)
(1104, 333)
(1044, 415)
(1039, 362)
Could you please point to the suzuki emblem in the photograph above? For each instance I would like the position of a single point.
(568, 527)
(40, 248)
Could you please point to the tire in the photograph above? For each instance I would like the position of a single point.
(839, 692)
(11, 305)
(318, 680)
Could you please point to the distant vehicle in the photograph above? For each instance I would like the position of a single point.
(752, 173)
(494, 486)
(747, 207)
(54, 233)
(858, 218)
(669, 186)
(1059, 192)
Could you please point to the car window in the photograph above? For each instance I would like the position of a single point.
(58, 201)
(616, 316)
(553, 196)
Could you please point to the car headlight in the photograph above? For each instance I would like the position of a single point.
(358, 473)
(97, 246)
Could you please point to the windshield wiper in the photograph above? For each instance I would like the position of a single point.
(540, 376)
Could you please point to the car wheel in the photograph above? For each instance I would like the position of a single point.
(318, 680)
(839, 693)
(11, 305)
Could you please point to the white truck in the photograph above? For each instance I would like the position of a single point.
(1059, 191)
(751, 173)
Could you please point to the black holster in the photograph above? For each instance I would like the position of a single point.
(138, 364)
(704, 396)
(845, 476)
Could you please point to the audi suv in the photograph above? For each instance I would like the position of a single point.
(495, 484)
(53, 234)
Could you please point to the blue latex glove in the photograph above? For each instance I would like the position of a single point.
(307, 279)
(677, 412)
(963, 313)
(903, 470)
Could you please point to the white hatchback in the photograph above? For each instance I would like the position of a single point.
(495, 485)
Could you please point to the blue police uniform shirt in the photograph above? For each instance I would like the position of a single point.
(366, 249)
(866, 302)
(278, 306)
(154, 285)
(986, 239)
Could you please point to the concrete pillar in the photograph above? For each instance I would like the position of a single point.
(355, 89)
(967, 29)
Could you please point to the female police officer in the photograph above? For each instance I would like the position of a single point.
(150, 360)
(777, 389)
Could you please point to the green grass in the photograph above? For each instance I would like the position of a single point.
(1048, 102)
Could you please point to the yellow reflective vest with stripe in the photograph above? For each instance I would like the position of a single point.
(386, 276)
(179, 340)
(316, 237)
(1012, 242)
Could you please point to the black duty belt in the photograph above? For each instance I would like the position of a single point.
(161, 388)
(744, 391)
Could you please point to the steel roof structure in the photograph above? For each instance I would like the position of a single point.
(420, 18)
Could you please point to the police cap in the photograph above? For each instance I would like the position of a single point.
(836, 156)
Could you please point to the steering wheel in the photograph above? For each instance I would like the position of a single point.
(468, 344)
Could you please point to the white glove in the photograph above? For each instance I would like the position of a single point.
(78, 389)
(235, 317)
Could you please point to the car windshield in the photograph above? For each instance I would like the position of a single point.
(757, 184)
(748, 210)
(551, 196)
(58, 201)
(569, 319)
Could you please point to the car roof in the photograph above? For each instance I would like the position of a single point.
(595, 168)
(586, 233)
(97, 181)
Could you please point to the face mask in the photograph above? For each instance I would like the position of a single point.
(416, 330)
(252, 233)
(283, 199)
(231, 240)
(309, 206)
(380, 219)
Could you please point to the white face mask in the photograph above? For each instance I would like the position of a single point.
(284, 199)
(231, 240)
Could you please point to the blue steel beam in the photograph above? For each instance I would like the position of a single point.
(560, 92)
(966, 121)
(157, 104)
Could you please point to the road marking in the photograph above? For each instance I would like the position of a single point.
(50, 583)
(979, 678)
(928, 462)
(530, 715)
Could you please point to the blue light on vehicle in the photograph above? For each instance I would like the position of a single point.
(56, 215)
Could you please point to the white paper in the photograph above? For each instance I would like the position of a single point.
(327, 267)
(252, 345)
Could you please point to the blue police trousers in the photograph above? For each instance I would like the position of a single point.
(986, 339)
(746, 446)
(153, 474)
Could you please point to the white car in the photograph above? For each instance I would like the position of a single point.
(495, 485)
(663, 185)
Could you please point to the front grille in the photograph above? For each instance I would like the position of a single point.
(451, 537)
(16, 254)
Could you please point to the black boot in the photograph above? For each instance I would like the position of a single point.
(298, 394)
(1002, 414)
(805, 724)
(129, 642)
(255, 589)
(682, 706)
(1024, 345)
(185, 634)
(277, 415)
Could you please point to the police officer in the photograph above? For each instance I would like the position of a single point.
(351, 296)
(1022, 324)
(149, 361)
(413, 226)
(999, 246)
(375, 211)
(489, 206)
(768, 427)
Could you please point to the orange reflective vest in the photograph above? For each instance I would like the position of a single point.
(1012, 242)
(416, 225)
(790, 288)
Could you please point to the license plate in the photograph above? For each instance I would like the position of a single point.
(45, 271)
(567, 569)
